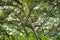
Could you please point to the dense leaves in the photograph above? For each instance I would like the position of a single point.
(29, 19)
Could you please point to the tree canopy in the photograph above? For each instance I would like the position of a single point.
(29, 19)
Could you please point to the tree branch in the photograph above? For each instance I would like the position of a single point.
(53, 29)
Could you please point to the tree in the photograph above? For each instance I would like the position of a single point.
(29, 19)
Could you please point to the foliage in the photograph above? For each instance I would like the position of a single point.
(29, 19)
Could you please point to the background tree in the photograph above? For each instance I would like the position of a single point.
(29, 19)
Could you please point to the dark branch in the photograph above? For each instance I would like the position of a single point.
(53, 29)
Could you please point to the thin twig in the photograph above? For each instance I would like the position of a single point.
(53, 29)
